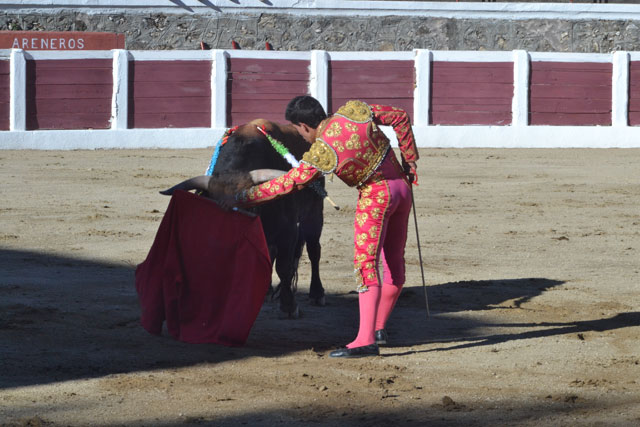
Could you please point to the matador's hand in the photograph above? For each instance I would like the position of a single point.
(410, 169)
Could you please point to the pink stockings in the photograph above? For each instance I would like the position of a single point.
(368, 302)
(390, 294)
(375, 308)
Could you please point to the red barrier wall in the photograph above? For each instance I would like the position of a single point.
(570, 94)
(171, 94)
(4, 95)
(471, 93)
(262, 88)
(69, 94)
(374, 82)
(634, 93)
(77, 93)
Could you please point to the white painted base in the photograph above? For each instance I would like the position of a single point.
(528, 136)
(101, 139)
(426, 136)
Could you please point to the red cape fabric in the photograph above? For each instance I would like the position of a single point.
(207, 273)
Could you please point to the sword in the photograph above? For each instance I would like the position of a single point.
(415, 220)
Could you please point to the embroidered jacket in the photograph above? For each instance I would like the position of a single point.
(349, 144)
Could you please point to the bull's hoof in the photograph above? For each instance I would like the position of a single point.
(318, 301)
(296, 313)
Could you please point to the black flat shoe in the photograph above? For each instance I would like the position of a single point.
(364, 351)
(381, 337)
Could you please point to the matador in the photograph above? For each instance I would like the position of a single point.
(351, 145)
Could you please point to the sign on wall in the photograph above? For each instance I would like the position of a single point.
(60, 40)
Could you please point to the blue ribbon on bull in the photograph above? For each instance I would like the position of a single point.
(214, 159)
(216, 152)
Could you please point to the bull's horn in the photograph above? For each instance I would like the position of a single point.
(261, 175)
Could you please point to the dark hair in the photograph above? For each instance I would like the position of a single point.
(305, 109)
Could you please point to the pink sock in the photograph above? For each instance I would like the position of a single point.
(368, 302)
(390, 294)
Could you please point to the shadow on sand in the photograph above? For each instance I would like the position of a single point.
(64, 318)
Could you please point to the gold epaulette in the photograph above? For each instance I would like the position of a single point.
(356, 111)
(321, 156)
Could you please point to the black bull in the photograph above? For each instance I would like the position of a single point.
(288, 222)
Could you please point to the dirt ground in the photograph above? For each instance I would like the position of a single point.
(532, 266)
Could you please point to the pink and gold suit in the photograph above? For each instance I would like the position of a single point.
(351, 145)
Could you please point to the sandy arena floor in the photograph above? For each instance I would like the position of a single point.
(532, 261)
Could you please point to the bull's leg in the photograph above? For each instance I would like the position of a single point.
(298, 252)
(316, 291)
(310, 230)
(285, 268)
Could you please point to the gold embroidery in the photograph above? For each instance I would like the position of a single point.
(368, 265)
(373, 232)
(361, 238)
(373, 158)
(361, 287)
(368, 154)
(375, 213)
(321, 156)
(371, 249)
(334, 130)
(382, 140)
(337, 144)
(353, 142)
(362, 218)
(351, 127)
(366, 191)
(381, 197)
(349, 144)
(357, 111)
(364, 203)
